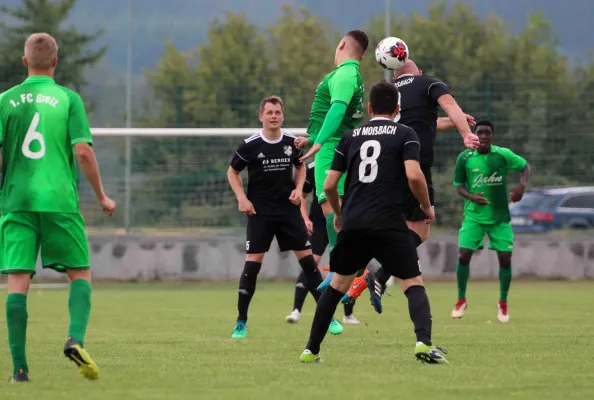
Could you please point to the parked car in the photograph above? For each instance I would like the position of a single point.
(547, 209)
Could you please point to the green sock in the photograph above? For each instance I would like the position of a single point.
(16, 321)
(505, 277)
(462, 274)
(331, 232)
(79, 306)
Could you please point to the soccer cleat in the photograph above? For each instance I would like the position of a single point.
(326, 282)
(458, 311)
(308, 357)
(357, 288)
(293, 318)
(502, 314)
(335, 328)
(430, 354)
(240, 331)
(20, 377)
(376, 290)
(76, 353)
(350, 319)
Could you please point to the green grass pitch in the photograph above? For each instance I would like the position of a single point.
(172, 341)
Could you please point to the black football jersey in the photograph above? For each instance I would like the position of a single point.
(270, 172)
(315, 210)
(373, 156)
(419, 108)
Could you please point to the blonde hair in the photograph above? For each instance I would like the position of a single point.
(40, 50)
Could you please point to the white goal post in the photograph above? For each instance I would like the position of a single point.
(180, 132)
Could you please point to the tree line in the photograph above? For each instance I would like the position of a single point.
(542, 106)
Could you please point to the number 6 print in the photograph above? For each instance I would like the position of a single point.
(31, 136)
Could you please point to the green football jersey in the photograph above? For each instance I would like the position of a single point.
(40, 121)
(344, 84)
(487, 173)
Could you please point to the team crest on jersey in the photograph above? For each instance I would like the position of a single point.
(288, 150)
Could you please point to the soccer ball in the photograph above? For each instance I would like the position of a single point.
(391, 53)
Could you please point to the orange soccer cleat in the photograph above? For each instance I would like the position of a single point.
(357, 287)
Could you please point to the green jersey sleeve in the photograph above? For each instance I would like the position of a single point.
(78, 123)
(343, 85)
(1, 120)
(460, 170)
(514, 161)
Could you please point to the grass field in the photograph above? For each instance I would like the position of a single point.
(172, 341)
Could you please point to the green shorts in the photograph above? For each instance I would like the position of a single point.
(61, 237)
(323, 159)
(471, 235)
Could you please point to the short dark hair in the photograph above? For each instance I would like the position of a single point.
(384, 98)
(272, 100)
(486, 122)
(360, 37)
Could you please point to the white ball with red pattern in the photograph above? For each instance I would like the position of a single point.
(391, 53)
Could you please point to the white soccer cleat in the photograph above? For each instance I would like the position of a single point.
(293, 318)
(502, 314)
(350, 319)
(458, 311)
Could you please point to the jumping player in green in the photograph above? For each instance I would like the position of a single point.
(481, 178)
(336, 109)
(43, 131)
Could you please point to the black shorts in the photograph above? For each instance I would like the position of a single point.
(393, 249)
(319, 237)
(412, 208)
(290, 232)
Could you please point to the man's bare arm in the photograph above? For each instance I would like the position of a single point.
(88, 164)
(299, 177)
(236, 183)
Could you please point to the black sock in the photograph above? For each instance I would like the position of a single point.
(414, 238)
(247, 287)
(300, 292)
(324, 311)
(348, 309)
(312, 274)
(420, 313)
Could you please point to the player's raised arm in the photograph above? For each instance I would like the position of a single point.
(445, 123)
(459, 119)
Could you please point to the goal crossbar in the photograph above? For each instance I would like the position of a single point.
(177, 132)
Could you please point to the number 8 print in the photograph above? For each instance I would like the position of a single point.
(370, 161)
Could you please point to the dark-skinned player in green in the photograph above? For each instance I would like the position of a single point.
(337, 108)
(481, 178)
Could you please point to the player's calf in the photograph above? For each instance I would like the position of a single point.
(247, 288)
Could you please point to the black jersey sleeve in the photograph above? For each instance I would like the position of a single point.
(241, 158)
(410, 146)
(340, 161)
(297, 154)
(436, 89)
(308, 186)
